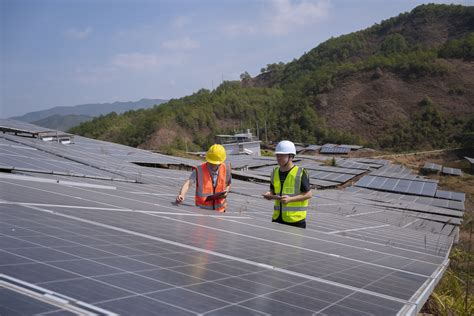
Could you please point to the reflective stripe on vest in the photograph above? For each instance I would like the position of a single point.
(205, 188)
(294, 211)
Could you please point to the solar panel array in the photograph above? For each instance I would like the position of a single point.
(415, 187)
(334, 150)
(349, 163)
(452, 171)
(456, 196)
(352, 147)
(312, 147)
(24, 126)
(402, 176)
(432, 167)
(374, 163)
(103, 246)
(440, 199)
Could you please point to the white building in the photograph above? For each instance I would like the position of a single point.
(240, 144)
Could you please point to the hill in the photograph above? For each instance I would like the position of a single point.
(406, 83)
(62, 122)
(92, 109)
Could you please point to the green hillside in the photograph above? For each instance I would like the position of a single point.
(405, 83)
(62, 122)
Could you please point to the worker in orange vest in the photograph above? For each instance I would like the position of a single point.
(212, 179)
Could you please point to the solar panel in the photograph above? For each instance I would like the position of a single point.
(375, 163)
(393, 197)
(401, 176)
(19, 125)
(103, 247)
(457, 196)
(336, 177)
(310, 165)
(334, 150)
(352, 147)
(348, 163)
(432, 167)
(391, 168)
(452, 171)
(415, 187)
(312, 147)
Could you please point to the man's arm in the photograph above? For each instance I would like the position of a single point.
(182, 193)
(300, 197)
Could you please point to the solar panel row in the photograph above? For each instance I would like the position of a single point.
(424, 188)
(432, 167)
(334, 150)
(452, 171)
(457, 196)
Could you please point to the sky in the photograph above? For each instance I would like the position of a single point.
(65, 53)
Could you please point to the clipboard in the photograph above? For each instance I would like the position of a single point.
(276, 197)
(215, 196)
(273, 197)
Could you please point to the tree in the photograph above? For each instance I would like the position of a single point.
(245, 76)
(394, 43)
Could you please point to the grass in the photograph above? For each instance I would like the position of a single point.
(330, 162)
(454, 294)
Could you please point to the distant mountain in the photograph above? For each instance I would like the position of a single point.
(62, 122)
(94, 109)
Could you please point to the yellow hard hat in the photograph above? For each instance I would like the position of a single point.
(216, 154)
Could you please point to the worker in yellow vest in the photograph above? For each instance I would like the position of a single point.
(289, 187)
(212, 179)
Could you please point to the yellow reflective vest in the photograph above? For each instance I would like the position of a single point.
(294, 211)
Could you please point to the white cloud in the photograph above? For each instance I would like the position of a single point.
(94, 75)
(79, 34)
(282, 17)
(185, 43)
(136, 61)
(181, 21)
(239, 28)
(127, 64)
(286, 15)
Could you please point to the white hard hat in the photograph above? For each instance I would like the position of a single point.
(285, 147)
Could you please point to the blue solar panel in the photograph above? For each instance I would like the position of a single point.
(452, 171)
(429, 166)
(334, 150)
(449, 195)
(398, 185)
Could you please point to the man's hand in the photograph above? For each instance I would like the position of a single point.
(268, 195)
(223, 195)
(285, 199)
(179, 198)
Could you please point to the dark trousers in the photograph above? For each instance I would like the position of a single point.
(300, 224)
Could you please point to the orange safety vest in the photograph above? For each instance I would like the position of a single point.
(204, 187)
